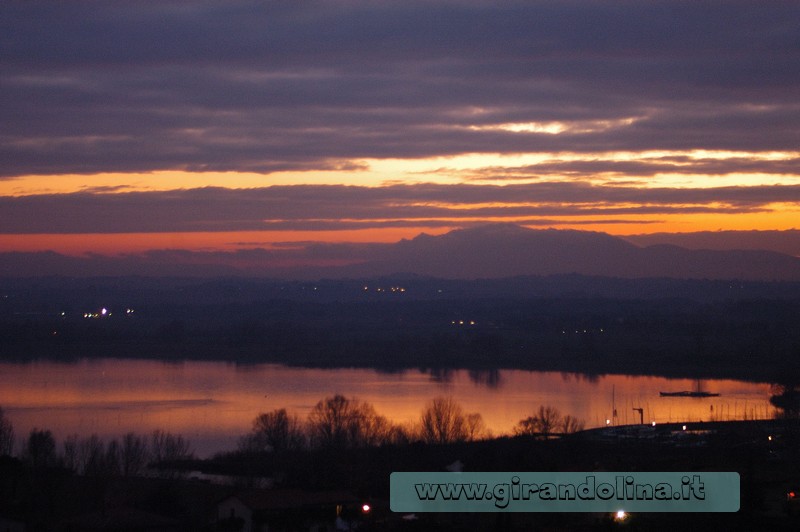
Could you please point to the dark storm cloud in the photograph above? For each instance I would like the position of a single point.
(264, 86)
(322, 207)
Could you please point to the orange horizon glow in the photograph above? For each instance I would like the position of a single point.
(135, 243)
(112, 244)
(473, 169)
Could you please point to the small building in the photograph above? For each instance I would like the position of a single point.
(283, 509)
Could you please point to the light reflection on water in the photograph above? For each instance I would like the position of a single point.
(213, 403)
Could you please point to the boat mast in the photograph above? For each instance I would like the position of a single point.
(613, 404)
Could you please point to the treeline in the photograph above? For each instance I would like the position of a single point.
(747, 339)
(334, 423)
(127, 456)
(339, 422)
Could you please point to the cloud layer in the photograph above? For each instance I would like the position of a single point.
(134, 85)
(330, 207)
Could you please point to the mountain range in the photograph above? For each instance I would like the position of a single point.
(480, 252)
(505, 250)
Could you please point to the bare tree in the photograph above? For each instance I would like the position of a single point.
(6, 435)
(91, 456)
(112, 465)
(274, 431)
(402, 434)
(476, 429)
(70, 458)
(41, 448)
(374, 429)
(332, 421)
(443, 421)
(133, 455)
(571, 424)
(527, 427)
(339, 422)
(548, 420)
(165, 447)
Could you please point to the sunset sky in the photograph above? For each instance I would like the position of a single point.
(130, 126)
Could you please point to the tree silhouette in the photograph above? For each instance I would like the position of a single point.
(133, 454)
(274, 431)
(41, 448)
(165, 447)
(92, 457)
(786, 392)
(547, 421)
(339, 422)
(571, 424)
(444, 421)
(6, 435)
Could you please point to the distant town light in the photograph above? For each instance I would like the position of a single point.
(654, 423)
(104, 311)
(621, 515)
(365, 508)
(684, 427)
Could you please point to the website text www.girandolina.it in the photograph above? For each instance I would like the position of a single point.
(601, 491)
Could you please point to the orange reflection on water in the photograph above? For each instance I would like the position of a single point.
(213, 403)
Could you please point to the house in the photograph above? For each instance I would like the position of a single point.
(284, 509)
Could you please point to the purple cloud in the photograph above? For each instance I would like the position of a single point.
(264, 86)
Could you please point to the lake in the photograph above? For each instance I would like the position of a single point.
(214, 403)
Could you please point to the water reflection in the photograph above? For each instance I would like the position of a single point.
(486, 377)
(213, 403)
(441, 375)
(579, 377)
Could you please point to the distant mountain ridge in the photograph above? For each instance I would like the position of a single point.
(482, 252)
(507, 250)
(785, 241)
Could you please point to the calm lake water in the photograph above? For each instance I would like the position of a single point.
(213, 403)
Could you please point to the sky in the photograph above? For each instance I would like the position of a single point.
(132, 127)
